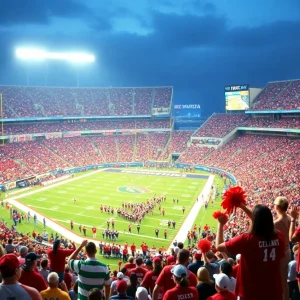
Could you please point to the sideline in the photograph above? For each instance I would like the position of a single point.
(62, 230)
(66, 232)
(191, 217)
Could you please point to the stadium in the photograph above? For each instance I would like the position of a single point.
(149, 150)
(80, 155)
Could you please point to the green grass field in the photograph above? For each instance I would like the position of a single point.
(106, 188)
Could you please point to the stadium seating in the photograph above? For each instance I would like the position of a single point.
(178, 142)
(162, 97)
(279, 95)
(219, 125)
(269, 122)
(46, 101)
(81, 126)
(143, 101)
(194, 154)
(125, 147)
(258, 162)
(150, 146)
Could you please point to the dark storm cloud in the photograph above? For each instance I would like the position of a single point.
(188, 30)
(197, 54)
(14, 12)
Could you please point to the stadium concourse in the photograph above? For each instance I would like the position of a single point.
(47, 130)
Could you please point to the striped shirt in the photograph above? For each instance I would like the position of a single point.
(91, 274)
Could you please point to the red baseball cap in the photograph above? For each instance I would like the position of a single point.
(121, 286)
(198, 254)
(8, 263)
(157, 260)
(170, 260)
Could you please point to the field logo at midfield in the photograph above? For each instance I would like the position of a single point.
(133, 190)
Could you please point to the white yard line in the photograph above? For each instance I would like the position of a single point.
(181, 235)
(49, 222)
(191, 217)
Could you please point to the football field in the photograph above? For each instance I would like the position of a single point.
(111, 188)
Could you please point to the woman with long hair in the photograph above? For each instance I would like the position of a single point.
(282, 223)
(57, 258)
(205, 287)
(180, 277)
(149, 280)
(262, 250)
(131, 290)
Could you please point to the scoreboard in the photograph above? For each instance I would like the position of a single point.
(237, 97)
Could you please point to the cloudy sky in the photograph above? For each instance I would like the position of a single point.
(197, 46)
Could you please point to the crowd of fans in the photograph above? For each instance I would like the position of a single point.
(162, 97)
(47, 101)
(194, 154)
(150, 146)
(225, 270)
(283, 95)
(219, 125)
(82, 126)
(178, 142)
(269, 122)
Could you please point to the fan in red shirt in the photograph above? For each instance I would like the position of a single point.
(151, 277)
(294, 238)
(222, 285)
(31, 277)
(130, 265)
(57, 257)
(182, 290)
(165, 281)
(139, 270)
(261, 252)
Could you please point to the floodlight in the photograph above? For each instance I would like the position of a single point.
(31, 54)
(37, 54)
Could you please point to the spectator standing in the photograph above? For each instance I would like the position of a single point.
(132, 288)
(53, 292)
(198, 263)
(222, 283)
(57, 257)
(68, 277)
(121, 289)
(282, 223)
(294, 236)
(142, 294)
(294, 293)
(23, 253)
(182, 290)
(151, 276)
(73, 292)
(211, 264)
(113, 286)
(44, 269)
(29, 274)
(10, 288)
(205, 286)
(91, 272)
(226, 269)
(263, 246)
(139, 270)
(165, 280)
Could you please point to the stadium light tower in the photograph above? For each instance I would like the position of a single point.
(35, 54)
(77, 59)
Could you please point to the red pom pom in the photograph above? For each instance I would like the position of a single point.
(232, 198)
(204, 245)
(218, 214)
